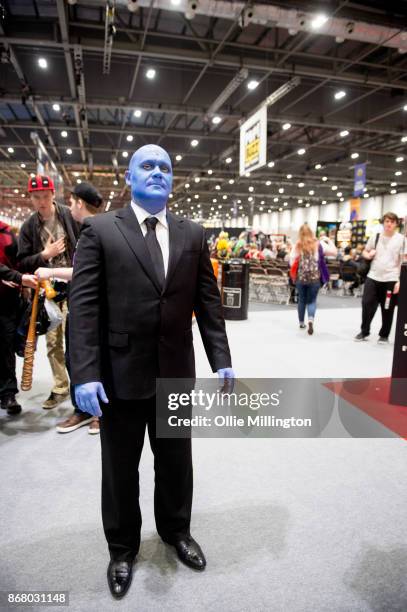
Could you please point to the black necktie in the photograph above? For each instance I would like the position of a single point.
(155, 249)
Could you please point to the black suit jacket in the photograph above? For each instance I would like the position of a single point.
(124, 331)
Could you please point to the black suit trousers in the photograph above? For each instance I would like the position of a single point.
(122, 432)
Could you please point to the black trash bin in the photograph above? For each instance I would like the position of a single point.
(235, 289)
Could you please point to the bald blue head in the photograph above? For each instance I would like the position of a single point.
(149, 177)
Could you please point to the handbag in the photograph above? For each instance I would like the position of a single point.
(294, 269)
(364, 264)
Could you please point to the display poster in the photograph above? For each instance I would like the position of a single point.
(360, 180)
(354, 209)
(253, 142)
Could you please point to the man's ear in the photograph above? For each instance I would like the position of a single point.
(127, 178)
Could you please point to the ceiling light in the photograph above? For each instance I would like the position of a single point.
(301, 185)
(324, 178)
(217, 187)
(10, 149)
(194, 142)
(365, 195)
(391, 184)
(187, 185)
(247, 175)
(251, 188)
(129, 138)
(289, 176)
(115, 182)
(341, 199)
(56, 107)
(250, 199)
(228, 160)
(268, 183)
(318, 166)
(225, 197)
(286, 126)
(137, 113)
(15, 190)
(301, 151)
(339, 194)
(214, 200)
(285, 204)
(125, 154)
(210, 171)
(399, 159)
(252, 84)
(311, 192)
(344, 133)
(216, 119)
(355, 155)
(78, 181)
(22, 165)
(323, 201)
(404, 139)
(231, 181)
(318, 21)
(300, 201)
(281, 190)
(64, 134)
(275, 199)
(178, 157)
(398, 173)
(150, 74)
(69, 151)
(307, 205)
(260, 208)
(393, 191)
(405, 107)
(340, 94)
(42, 63)
(197, 179)
(334, 187)
(270, 164)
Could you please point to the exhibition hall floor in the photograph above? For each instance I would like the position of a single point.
(287, 525)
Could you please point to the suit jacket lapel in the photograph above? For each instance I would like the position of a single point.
(128, 225)
(176, 228)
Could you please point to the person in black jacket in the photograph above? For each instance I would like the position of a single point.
(10, 281)
(139, 274)
(48, 238)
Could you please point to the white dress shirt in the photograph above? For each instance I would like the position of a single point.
(161, 229)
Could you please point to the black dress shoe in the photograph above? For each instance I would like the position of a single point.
(10, 404)
(190, 553)
(119, 575)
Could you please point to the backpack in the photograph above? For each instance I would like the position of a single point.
(308, 268)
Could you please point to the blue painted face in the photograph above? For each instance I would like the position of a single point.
(150, 178)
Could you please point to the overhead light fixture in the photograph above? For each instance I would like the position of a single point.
(125, 154)
(355, 155)
(307, 205)
(405, 107)
(78, 181)
(178, 157)
(340, 94)
(197, 179)
(365, 195)
(301, 185)
(115, 182)
(324, 178)
(404, 139)
(247, 175)
(64, 134)
(311, 192)
(271, 164)
(286, 126)
(132, 5)
(334, 187)
(129, 138)
(216, 119)
(15, 190)
(187, 185)
(194, 142)
(210, 171)
(280, 209)
(175, 2)
(399, 159)
(251, 85)
(301, 151)
(150, 74)
(398, 173)
(228, 160)
(323, 202)
(22, 165)
(56, 107)
(344, 133)
(231, 181)
(318, 21)
(318, 166)
(268, 183)
(339, 194)
(251, 188)
(393, 184)
(137, 113)
(191, 9)
(217, 187)
(341, 199)
(275, 199)
(289, 176)
(10, 149)
(250, 199)
(393, 191)
(281, 190)
(42, 63)
(69, 151)
(300, 201)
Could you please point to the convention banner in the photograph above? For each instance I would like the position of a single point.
(360, 179)
(253, 142)
(354, 209)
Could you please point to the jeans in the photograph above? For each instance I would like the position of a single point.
(307, 298)
(374, 295)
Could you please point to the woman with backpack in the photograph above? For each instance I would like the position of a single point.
(309, 271)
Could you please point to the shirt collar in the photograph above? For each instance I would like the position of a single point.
(142, 214)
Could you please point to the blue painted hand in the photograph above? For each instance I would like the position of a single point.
(149, 177)
(87, 395)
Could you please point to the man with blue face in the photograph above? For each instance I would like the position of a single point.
(139, 274)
